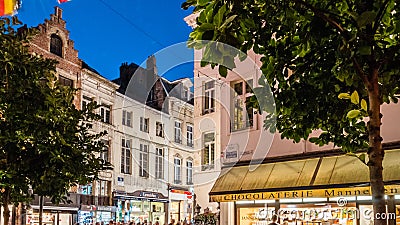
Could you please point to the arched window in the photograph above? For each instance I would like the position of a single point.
(56, 45)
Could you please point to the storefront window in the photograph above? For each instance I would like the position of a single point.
(302, 214)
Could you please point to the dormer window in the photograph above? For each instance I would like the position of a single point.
(56, 45)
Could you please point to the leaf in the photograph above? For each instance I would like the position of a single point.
(365, 18)
(220, 14)
(364, 50)
(364, 105)
(223, 71)
(362, 158)
(202, 2)
(344, 96)
(227, 21)
(355, 99)
(205, 27)
(353, 113)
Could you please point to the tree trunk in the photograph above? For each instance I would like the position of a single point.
(6, 213)
(41, 201)
(14, 215)
(5, 203)
(375, 152)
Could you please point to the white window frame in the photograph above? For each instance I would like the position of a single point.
(208, 153)
(144, 124)
(189, 135)
(105, 113)
(106, 151)
(159, 164)
(243, 118)
(178, 131)
(209, 97)
(177, 170)
(189, 172)
(126, 118)
(126, 155)
(85, 101)
(144, 160)
(159, 129)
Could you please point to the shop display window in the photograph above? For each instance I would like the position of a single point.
(300, 214)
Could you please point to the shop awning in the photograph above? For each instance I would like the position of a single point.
(291, 179)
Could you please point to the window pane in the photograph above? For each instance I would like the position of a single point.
(249, 86)
(56, 45)
(238, 87)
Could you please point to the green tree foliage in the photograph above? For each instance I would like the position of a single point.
(329, 63)
(45, 143)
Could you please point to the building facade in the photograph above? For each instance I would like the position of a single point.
(96, 204)
(255, 174)
(154, 119)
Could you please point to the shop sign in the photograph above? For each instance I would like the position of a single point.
(148, 194)
(315, 193)
(180, 194)
(106, 208)
(232, 152)
(120, 181)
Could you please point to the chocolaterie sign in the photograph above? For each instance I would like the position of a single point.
(314, 193)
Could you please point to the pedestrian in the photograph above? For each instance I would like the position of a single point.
(172, 222)
(111, 222)
(274, 219)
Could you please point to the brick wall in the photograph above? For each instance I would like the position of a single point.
(69, 65)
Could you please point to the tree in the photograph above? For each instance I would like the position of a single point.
(45, 143)
(329, 64)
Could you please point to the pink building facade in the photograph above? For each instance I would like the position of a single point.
(246, 174)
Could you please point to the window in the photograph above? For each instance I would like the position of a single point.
(127, 118)
(178, 132)
(208, 156)
(189, 135)
(144, 124)
(209, 97)
(56, 45)
(144, 160)
(159, 129)
(65, 81)
(243, 117)
(159, 163)
(189, 172)
(85, 101)
(104, 153)
(126, 156)
(177, 170)
(185, 93)
(102, 188)
(85, 189)
(105, 113)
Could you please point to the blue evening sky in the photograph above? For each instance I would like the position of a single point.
(109, 32)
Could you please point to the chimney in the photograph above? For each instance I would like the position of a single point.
(151, 64)
(58, 12)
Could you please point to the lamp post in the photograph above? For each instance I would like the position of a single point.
(197, 209)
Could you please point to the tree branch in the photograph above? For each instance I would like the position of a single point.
(380, 15)
(320, 14)
(360, 72)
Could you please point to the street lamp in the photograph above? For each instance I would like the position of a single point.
(197, 209)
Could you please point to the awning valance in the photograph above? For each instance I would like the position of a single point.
(324, 173)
